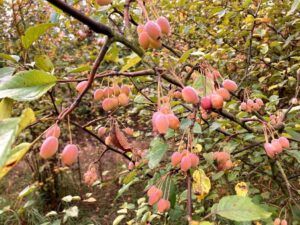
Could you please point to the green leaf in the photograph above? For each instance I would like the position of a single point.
(43, 62)
(8, 132)
(197, 128)
(295, 154)
(185, 123)
(113, 54)
(185, 56)
(33, 33)
(9, 129)
(129, 177)
(27, 85)
(295, 135)
(239, 209)
(80, 69)
(6, 72)
(28, 190)
(125, 187)
(157, 151)
(5, 108)
(294, 7)
(133, 60)
(13, 58)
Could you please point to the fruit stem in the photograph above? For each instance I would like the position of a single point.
(189, 196)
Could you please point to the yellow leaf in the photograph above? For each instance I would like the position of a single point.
(249, 19)
(241, 189)
(201, 184)
(197, 148)
(27, 118)
(16, 154)
(131, 62)
(263, 20)
(5, 108)
(193, 222)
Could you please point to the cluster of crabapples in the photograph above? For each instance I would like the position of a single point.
(164, 119)
(111, 97)
(151, 33)
(185, 159)
(278, 221)
(276, 119)
(90, 176)
(50, 145)
(223, 160)
(252, 106)
(276, 146)
(155, 195)
(212, 101)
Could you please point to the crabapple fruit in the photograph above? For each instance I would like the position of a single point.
(156, 44)
(277, 221)
(284, 142)
(270, 150)
(123, 99)
(216, 101)
(163, 205)
(49, 147)
(54, 131)
(161, 123)
(224, 93)
(174, 122)
(221, 156)
(108, 140)
(206, 103)
(244, 106)
(81, 86)
(155, 196)
(230, 85)
(153, 30)
(101, 131)
(125, 89)
(259, 102)
(69, 155)
(164, 25)
(190, 95)
(176, 158)
(130, 165)
(108, 104)
(144, 40)
(194, 159)
(98, 94)
(277, 145)
(108, 92)
(185, 163)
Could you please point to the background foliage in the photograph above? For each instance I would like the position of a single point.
(45, 53)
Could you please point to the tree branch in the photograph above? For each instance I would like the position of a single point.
(96, 26)
(113, 73)
(96, 65)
